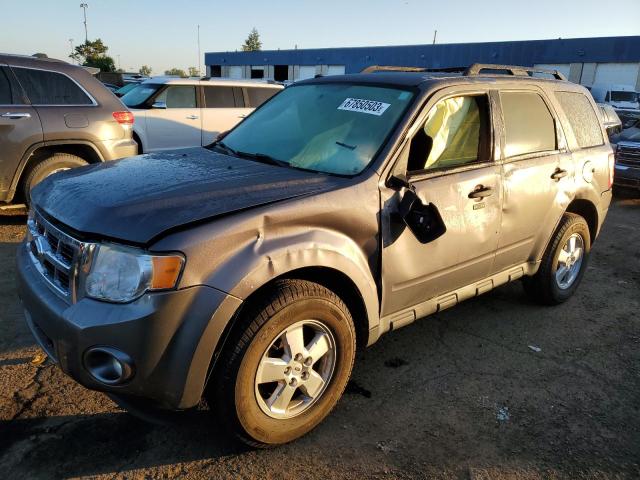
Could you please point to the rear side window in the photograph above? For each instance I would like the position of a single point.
(9, 91)
(219, 97)
(582, 119)
(257, 96)
(178, 96)
(50, 88)
(529, 126)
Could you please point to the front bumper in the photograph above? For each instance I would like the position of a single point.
(171, 336)
(626, 176)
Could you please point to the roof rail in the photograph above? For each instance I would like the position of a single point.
(477, 68)
(473, 70)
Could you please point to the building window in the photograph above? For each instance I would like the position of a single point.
(216, 71)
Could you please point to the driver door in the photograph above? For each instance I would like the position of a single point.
(448, 161)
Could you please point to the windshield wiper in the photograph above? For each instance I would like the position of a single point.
(224, 147)
(263, 157)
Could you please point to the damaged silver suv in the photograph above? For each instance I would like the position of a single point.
(345, 207)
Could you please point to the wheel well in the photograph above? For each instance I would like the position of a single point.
(334, 280)
(83, 151)
(586, 210)
(136, 138)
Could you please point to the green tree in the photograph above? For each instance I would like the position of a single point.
(94, 54)
(176, 71)
(252, 43)
(194, 72)
(145, 70)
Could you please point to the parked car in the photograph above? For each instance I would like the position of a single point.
(111, 87)
(120, 92)
(627, 147)
(620, 97)
(178, 113)
(55, 116)
(343, 208)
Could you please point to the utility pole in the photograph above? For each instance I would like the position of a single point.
(199, 70)
(84, 7)
(435, 35)
(118, 61)
(71, 45)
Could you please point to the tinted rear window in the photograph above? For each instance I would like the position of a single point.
(528, 123)
(257, 96)
(219, 97)
(582, 119)
(50, 88)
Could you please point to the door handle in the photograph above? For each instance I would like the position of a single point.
(16, 115)
(192, 117)
(480, 192)
(558, 174)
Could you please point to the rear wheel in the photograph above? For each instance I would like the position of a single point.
(54, 163)
(286, 365)
(563, 264)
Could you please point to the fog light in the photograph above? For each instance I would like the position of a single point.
(108, 365)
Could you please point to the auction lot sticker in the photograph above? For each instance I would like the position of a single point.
(364, 106)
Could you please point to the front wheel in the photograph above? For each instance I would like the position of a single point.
(563, 263)
(286, 364)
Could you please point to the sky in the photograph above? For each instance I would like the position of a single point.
(163, 34)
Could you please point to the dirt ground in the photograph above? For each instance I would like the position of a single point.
(464, 394)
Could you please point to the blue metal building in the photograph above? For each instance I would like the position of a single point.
(583, 60)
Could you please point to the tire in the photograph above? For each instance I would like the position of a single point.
(241, 401)
(557, 280)
(48, 166)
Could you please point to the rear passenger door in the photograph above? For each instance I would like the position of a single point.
(538, 176)
(223, 108)
(20, 128)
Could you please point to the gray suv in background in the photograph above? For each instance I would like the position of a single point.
(343, 208)
(55, 116)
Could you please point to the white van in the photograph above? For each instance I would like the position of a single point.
(620, 97)
(173, 112)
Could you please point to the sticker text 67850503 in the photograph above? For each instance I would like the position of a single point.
(371, 107)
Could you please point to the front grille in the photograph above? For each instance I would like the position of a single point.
(628, 155)
(54, 254)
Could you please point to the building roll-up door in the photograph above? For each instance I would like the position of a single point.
(235, 72)
(335, 70)
(307, 71)
(617, 74)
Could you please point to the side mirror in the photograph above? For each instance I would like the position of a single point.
(162, 105)
(424, 221)
(398, 182)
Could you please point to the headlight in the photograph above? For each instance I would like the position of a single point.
(121, 274)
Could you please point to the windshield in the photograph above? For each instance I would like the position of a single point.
(127, 88)
(331, 128)
(620, 96)
(137, 97)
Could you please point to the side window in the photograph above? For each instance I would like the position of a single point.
(606, 97)
(50, 88)
(219, 97)
(257, 96)
(529, 126)
(178, 96)
(582, 119)
(9, 91)
(455, 133)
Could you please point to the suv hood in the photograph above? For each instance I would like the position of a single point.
(139, 198)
